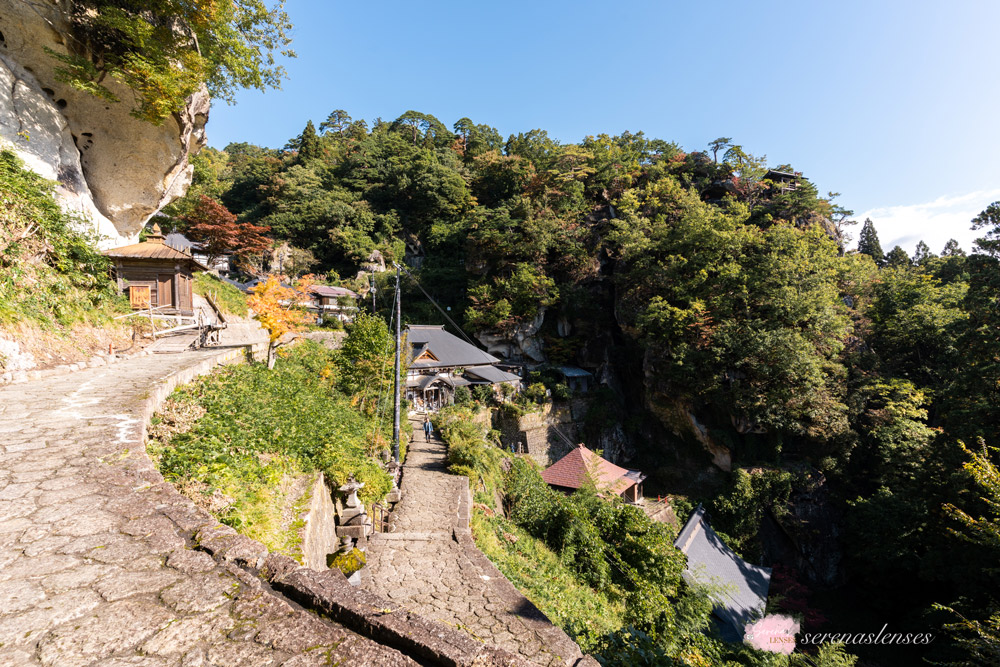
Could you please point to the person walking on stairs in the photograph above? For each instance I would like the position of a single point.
(428, 429)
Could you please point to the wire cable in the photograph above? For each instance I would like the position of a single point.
(442, 311)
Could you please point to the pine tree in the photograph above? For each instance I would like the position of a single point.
(309, 147)
(922, 253)
(868, 243)
(952, 249)
(897, 257)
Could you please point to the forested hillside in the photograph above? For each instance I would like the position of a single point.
(726, 322)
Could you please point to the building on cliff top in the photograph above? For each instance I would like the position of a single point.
(155, 275)
(738, 588)
(440, 363)
(330, 302)
(573, 471)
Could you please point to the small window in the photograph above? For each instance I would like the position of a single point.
(138, 296)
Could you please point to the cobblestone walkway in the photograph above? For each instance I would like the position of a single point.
(92, 569)
(421, 565)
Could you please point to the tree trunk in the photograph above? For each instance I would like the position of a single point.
(270, 356)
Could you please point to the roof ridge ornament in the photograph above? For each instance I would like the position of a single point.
(155, 235)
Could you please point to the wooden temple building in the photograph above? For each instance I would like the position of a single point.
(156, 276)
(738, 589)
(573, 470)
(440, 363)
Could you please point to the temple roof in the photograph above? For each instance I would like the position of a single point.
(447, 350)
(738, 588)
(571, 472)
(153, 248)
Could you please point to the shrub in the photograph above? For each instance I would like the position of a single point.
(536, 392)
(463, 396)
(50, 269)
(483, 393)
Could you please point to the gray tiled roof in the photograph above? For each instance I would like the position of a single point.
(739, 588)
(329, 291)
(574, 372)
(448, 349)
(491, 374)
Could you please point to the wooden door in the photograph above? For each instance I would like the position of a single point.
(165, 289)
(184, 293)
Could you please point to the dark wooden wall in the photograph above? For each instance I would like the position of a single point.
(169, 282)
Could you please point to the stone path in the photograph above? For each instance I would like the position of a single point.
(423, 565)
(92, 569)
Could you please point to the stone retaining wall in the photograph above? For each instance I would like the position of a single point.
(319, 524)
(535, 431)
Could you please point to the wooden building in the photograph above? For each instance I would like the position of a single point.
(574, 470)
(440, 363)
(155, 275)
(332, 303)
(737, 588)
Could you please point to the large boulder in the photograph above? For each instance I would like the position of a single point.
(112, 168)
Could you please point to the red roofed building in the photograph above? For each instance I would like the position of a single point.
(571, 472)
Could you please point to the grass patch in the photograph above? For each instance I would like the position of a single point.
(255, 430)
(539, 573)
(228, 298)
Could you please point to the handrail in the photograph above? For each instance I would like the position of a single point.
(379, 515)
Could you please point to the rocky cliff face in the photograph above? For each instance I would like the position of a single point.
(110, 167)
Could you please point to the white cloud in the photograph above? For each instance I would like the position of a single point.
(934, 222)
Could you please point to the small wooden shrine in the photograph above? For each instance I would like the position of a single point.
(155, 275)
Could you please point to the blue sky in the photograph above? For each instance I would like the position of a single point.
(892, 104)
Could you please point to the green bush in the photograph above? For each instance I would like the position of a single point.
(566, 551)
(739, 511)
(536, 392)
(483, 393)
(51, 271)
(463, 396)
(470, 453)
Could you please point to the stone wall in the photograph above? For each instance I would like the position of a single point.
(319, 524)
(326, 592)
(529, 614)
(539, 431)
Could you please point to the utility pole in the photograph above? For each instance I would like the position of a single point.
(395, 403)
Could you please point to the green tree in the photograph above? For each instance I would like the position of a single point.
(921, 254)
(897, 258)
(989, 220)
(916, 321)
(307, 144)
(980, 639)
(338, 122)
(164, 49)
(868, 243)
(365, 365)
(718, 145)
(952, 249)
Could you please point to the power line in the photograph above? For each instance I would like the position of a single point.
(440, 309)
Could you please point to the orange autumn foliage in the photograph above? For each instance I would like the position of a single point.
(278, 308)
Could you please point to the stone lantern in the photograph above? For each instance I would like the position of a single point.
(354, 522)
(351, 490)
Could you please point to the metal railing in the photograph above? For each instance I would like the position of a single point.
(208, 332)
(379, 515)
